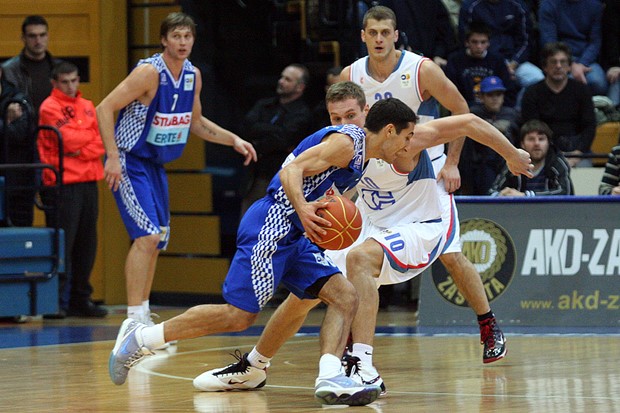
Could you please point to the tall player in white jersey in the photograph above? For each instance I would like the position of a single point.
(403, 234)
(388, 72)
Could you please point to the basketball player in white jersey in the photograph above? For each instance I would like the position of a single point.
(405, 229)
(388, 72)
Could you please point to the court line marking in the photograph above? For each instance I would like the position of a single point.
(142, 367)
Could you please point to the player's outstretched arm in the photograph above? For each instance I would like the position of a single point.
(452, 127)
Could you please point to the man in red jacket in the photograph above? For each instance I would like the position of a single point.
(76, 119)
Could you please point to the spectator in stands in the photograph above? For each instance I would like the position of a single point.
(76, 119)
(511, 27)
(610, 184)
(562, 103)
(480, 165)
(611, 49)
(319, 113)
(551, 170)
(467, 67)
(577, 23)
(17, 145)
(31, 70)
(424, 28)
(275, 125)
(30, 73)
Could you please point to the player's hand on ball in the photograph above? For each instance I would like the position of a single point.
(346, 223)
(313, 223)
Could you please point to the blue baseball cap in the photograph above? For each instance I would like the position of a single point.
(492, 84)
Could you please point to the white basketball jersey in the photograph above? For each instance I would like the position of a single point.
(387, 197)
(403, 83)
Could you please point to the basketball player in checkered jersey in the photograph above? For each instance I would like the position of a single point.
(406, 228)
(159, 104)
(274, 244)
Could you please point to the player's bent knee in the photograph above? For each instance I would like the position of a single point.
(147, 242)
(240, 320)
(366, 257)
(339, 292)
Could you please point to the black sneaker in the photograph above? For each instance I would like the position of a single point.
(494, 341)
(237, 376)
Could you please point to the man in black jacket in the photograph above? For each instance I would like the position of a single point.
(275, 125)
(562, 103)
(551, 170)
(17, 145)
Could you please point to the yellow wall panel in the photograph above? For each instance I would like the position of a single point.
(190, 192)
(190, 275)
(194, 234)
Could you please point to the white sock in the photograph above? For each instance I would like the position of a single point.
(146, 306)
(153, 337)
(330, 366)
(136, 312)
(363, 352)
(258, 360)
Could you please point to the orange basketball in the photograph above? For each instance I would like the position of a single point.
(346, 223)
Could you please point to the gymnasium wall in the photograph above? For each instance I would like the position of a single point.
(91, 33)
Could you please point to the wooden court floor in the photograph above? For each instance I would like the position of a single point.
(439, 373)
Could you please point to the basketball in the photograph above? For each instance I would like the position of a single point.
(346, 223)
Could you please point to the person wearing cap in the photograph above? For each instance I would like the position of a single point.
(468, 66)
(483, 165)
(551, 169)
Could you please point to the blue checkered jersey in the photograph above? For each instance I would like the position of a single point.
(334, 180)
(159, 132)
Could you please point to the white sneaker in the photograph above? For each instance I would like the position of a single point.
(127, 352)
(362, 373)
(343, 390)
(237, 376)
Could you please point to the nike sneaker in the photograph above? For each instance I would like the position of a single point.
(343, 390)
(359, 372)
(128, 350)
(493, 339)
(237, 376)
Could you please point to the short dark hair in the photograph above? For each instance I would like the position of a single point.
(345, 90)
(477, 28)
(305, 73)
(535, 125)
(550, 49)
(333, 71)
(174, 20)
(63, 68)
(379, 13)
(35, 19)
(390, 110)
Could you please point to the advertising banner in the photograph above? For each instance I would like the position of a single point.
(551, 262)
